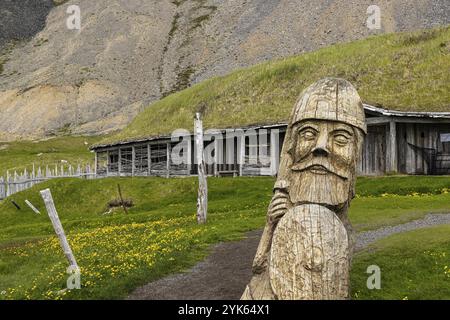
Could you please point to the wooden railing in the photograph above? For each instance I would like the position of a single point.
(17, 182)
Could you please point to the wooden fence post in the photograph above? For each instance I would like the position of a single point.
(32, 207)
(202, 199)
(49, 204)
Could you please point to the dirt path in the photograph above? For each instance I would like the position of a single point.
(227, 270)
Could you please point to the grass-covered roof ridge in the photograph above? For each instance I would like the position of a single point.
(404, 71)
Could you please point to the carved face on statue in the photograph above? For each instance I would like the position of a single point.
(323, 144)
(324, 154)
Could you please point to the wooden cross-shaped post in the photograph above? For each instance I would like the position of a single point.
(202, 199)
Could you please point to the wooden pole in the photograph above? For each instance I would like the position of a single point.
(49, 204)
(133, 160)
(202, 199)
(392, 146)
(274, 151)
(149, 159)
(121, 199)
(241, 154)
(168, 160)
(107, 163)
(216, 156)
(32, 207)
(96, 164)
(120, 161)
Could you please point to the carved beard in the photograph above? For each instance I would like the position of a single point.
(325, 189)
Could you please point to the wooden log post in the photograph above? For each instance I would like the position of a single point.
(32, 207)
(241, 154)
(53, 214)
(274, 151)
(120, 162)
(149, 159)
(133, 161)
(121, 199)
(216, 156)
(168, 160)
(202, 198)
(392, 146)
(95, 164)
(108, 163)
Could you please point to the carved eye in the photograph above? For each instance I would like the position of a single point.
(341, 139)
(308, 134)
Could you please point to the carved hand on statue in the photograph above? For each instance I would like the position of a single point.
(278, 206)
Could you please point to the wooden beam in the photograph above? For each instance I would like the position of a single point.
(133, 160)
(168, 160)
(388, 119)
(149, 159)
(107, 163)
(96, 164)
(378, 120)
(189, 156)
(241, 153)
(120, 162)
(216, 156)
(274, 151)
(392, 146)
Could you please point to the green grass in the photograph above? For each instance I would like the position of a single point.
(407, 71)
(413, 265)
(19, 155)
(159, 235)
(401, 185)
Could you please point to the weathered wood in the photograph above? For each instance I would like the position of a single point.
(241, 155)
(168, 160)
(53, 214)
(305, 249)
(216, 156)
(202, 198)
(121, 199)
(392, 146)
(25, 180)
(274, 151)
(120, 162)
(32, 207)
(315, 234)
(149, 159)
(133, 160)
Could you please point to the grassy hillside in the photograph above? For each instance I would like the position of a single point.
(22, 154)
(406, 71)
(159, 235)
(413, 265)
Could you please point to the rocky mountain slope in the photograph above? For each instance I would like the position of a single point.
(130, 53)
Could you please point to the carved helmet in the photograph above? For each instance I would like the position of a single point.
(331, 99)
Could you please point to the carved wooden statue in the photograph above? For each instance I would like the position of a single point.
(305, 249)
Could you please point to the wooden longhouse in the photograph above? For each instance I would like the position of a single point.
(397, 142)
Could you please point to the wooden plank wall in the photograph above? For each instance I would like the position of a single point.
(421, 135)
(373, 158)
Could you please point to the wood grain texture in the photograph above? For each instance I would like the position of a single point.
(309, 255)
(305, 250)
(53, 214)
(202, 198)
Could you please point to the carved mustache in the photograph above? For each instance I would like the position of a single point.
(319, 164)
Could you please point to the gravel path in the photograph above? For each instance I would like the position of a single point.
(363, 239)
(224, 274)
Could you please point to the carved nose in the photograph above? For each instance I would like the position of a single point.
(321, 146)
(320, 152)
